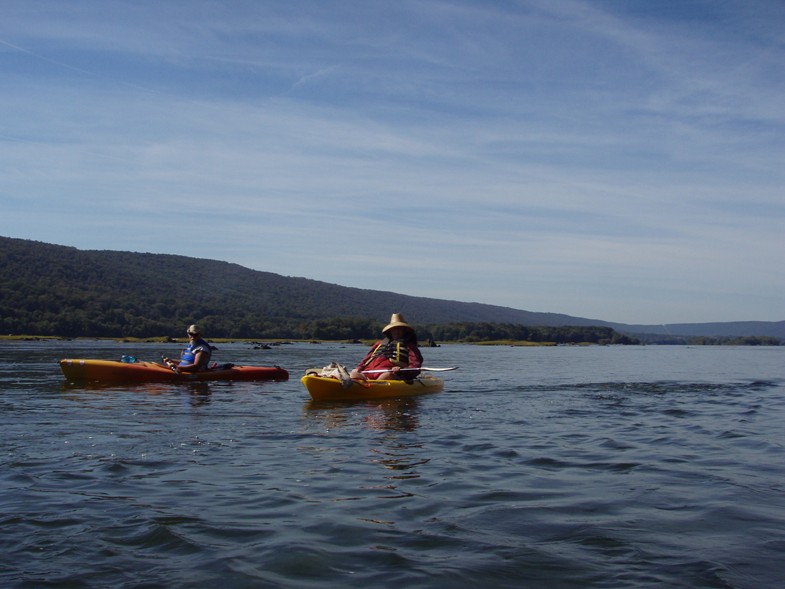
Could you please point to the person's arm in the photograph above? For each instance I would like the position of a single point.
(198, 355)
(415, 356)
(362, 363)
(415, 361)
(357, 372)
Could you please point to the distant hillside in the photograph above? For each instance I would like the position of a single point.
(730, 329)
(63, 290)
(52, 289)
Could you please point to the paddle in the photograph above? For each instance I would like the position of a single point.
(165, 362)
(402, 369)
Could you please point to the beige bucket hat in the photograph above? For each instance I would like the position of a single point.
(194, 329)
(397, 320)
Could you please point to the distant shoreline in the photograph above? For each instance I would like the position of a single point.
(262, 341)
(265, 342)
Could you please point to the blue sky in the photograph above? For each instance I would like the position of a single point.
(623, 161)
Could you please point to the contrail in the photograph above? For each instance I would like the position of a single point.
(46, 59)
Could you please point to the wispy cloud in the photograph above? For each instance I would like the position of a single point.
(612, 160)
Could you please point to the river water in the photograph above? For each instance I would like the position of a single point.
(534, 468)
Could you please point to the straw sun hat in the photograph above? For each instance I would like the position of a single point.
(397, 320)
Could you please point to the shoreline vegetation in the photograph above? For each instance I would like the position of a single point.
(367, 331)
(264, 343)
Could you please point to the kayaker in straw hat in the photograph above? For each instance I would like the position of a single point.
(196, 356)
(397, 355)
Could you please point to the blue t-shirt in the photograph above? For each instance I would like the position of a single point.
(189, 354)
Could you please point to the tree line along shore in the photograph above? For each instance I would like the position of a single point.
(576, 336)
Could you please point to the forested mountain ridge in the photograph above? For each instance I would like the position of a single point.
(63, 288)
(58, 290)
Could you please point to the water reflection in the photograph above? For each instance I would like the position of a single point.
(196, 393)
(390, 423)
(394, 414)
(380, 415)
(401, 458)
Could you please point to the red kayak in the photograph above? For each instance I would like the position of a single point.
(112, 371)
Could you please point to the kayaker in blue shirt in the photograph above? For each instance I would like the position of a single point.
(196, 356)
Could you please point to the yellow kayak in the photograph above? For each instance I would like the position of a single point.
(325, 388)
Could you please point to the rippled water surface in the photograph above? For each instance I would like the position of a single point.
(535, 467)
